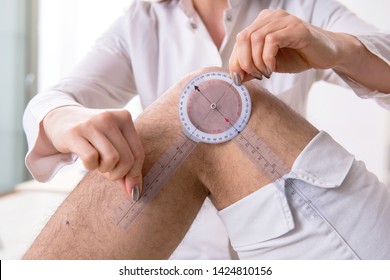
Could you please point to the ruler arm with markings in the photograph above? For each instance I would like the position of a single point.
(212, 110)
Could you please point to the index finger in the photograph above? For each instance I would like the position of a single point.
(134, 175)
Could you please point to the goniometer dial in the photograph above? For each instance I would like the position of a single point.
(213, 109)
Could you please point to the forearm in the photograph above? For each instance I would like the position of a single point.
(364, 52)
(361, 65)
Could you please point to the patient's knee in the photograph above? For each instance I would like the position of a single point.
(223, 168)
(229, 173)
(282, 129)
(159, 125)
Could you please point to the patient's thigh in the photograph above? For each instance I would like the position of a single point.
(82, 228)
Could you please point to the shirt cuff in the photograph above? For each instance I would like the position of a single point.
(41, 165)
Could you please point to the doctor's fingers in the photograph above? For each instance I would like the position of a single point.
(130, 186)
(108, 142)
(241, 60)
(248, 49)
(241, 64)
(257, 45)
(247, 56)
(125, 155)
(118, 157)
(103, 153)
(133, 178)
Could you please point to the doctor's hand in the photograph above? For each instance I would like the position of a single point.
(104, 140)
(279, 42)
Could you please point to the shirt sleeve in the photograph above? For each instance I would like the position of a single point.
(103, 79)
(333, 16)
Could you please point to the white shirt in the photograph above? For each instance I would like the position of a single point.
(322, 209)
(154, 45)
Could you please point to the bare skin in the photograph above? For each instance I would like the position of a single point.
(211, 13)
(82, 228)
(280, 42)
(260, 50)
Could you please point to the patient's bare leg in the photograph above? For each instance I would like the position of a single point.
(81, 227)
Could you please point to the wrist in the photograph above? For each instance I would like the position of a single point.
(44, 146)
(55, 122)
(60, 115)
(350, 50)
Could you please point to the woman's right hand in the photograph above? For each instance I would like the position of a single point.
(104, 140)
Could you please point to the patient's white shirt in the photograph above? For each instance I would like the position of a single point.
(152, 46)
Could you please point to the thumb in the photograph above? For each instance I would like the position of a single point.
(133, 185)
(122, 183)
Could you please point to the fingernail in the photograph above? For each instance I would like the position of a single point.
(257, 76)
(269, 72)
(236, 79)
(135, 193)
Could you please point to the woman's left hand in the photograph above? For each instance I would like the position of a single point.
(279, 42)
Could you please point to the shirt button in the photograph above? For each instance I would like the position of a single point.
(228, 17)
(193, 25)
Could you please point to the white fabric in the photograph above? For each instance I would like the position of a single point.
(277, 223)
(154, 45)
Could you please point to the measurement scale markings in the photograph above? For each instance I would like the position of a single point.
(251, 144)
(261, 155)
(274, 168)
(155, 179)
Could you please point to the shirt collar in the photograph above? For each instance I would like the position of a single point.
(323, 163)
(188, 8)
(234, 3)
